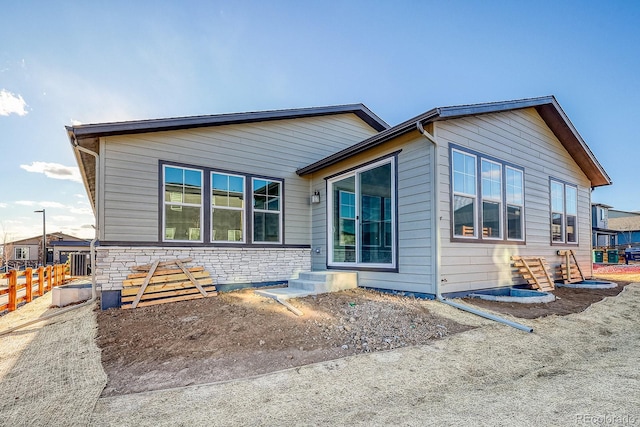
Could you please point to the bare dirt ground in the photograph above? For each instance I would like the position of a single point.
(239, 334)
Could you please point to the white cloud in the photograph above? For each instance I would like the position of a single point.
(3, 205)
(75, 122)
(54, 170)
(64, 218)
(44, 204)
(11, 104)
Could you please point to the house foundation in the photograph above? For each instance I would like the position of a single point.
(230, 267)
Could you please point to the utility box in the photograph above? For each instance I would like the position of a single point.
(79, 264)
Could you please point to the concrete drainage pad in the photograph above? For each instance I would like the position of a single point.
(522, 296)
(70, 294)
(589, 284)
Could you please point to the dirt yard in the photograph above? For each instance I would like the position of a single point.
(240, 334)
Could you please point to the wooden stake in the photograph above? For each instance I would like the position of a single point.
(190, 276)
(144, 285)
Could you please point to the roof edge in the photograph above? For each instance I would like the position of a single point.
(165, 124)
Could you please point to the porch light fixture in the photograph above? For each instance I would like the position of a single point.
(315, 197)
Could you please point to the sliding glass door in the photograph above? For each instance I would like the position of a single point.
(361, 220)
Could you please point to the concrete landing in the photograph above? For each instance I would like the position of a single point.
(79, 290)
(313, 283)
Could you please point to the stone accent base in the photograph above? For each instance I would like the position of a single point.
(226, 265)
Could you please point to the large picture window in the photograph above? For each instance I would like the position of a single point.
(487, 201)
(205, 205)
(361, 206)
(564, 212)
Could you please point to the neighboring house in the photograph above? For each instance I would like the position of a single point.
(627, 225)
(28, 252)
(603, 236)
(436, 204)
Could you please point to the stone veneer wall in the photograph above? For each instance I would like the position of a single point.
(226, 265)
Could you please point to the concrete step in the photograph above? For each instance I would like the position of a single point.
(313, 283)
(322, 281)
(346, 278)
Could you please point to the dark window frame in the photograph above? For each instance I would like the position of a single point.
(205, 237)
(393, 159)
(504, 205)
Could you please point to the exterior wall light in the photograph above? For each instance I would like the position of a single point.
(315, 198)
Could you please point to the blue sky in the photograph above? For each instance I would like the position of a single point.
(66, 62)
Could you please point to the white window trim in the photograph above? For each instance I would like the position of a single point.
(521, 206)
(24, 252)
(279, 212)
(331, 225)
(242, 209)
(564, 214)
(472, 196)
(165, 203)
(500, 201)
(479, 198)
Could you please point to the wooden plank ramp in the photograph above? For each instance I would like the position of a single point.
(535, 270)
(166, 281)
(569, 271)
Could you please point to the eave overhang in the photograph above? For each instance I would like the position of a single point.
(546, 106)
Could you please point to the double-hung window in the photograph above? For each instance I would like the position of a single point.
(267, 218)
(227, 207)
(22, 253)
(564, 212)
(211, 206)
(515, 202)
(464, 194)
(182, 204)
(487, 201)
(491, 199)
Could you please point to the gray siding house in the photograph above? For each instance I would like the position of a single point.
(435, 205)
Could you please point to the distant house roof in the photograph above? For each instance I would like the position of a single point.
(601, 205)
(51, 237)
(546, 106)
(627, 223)
(616, 213)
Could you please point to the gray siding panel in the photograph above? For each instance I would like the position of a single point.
(522, 138)
(414, 216)
(276, 149)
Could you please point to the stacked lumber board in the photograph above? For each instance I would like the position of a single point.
(164, 282)
(535, 271)
(569, 271)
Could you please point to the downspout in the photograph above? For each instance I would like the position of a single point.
(94, 294)
(435, 246)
